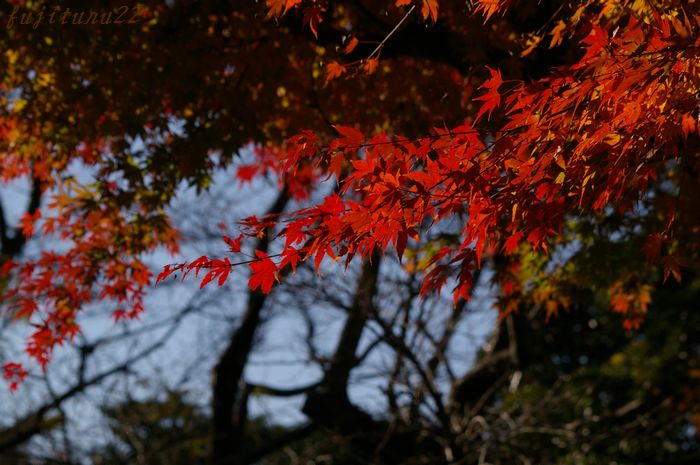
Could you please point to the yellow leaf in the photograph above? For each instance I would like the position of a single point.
(578, 14)
(644, 298)
(617, 359)
(612, 139)
(12, 56)
(557, 34)
(44, 79)
(18, 105)
(530, 44)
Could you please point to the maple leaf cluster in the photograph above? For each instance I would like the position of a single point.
(98, 252)
(589, 136)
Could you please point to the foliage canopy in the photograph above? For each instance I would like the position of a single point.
(454, 134)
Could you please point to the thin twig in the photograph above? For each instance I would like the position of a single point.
(381, 44)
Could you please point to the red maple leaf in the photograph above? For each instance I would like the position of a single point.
(246, 173)
(26, 223)
(492, 98)
(263, 273)
(234, 244)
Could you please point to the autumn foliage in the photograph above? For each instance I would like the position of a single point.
(589, 136)
(523, 154)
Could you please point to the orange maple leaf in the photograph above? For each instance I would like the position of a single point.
(334, 70)
(620, 303)
(280, 7)
(350, 46)
(490, 7)
(430, 9)
(557, 34)
(370, 65)
(687, 125)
